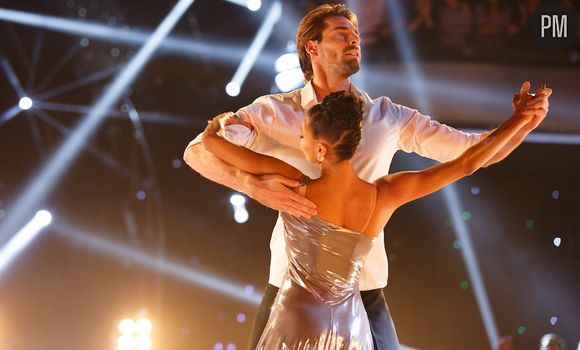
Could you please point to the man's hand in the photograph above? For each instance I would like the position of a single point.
(273, 191)
(536, 104)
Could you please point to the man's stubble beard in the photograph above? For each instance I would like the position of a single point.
(348, 68)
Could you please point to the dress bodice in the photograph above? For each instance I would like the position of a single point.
(324, 258)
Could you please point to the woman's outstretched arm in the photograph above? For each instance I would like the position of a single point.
(403, 187)
(244, 158)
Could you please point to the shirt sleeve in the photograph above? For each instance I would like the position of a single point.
(429, 138)
(260, 116)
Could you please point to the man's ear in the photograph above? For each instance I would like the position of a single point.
(311, 47)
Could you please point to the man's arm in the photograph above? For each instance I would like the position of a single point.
(270, 190)
(403, 187)
(536, 104)
(440, 142)
(244, 158)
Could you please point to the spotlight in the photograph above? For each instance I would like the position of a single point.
(135, 335)
(25, 103)
(127, 326)
(287, 61)
(43, 217)
(143, 326)
(254, 5)
(289, 80)
(233, 89)
(289, 75)
(241, 215)
(237, 200)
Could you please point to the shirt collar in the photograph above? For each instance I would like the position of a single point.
(308, 96)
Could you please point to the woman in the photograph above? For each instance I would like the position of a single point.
(319, 306)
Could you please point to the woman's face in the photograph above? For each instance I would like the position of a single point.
(308, 144)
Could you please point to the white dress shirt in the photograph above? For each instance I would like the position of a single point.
(387, 127)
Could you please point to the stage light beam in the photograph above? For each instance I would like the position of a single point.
(469, 257)
(254, 50)
(226, 52)
(49, 175)
(186, 273)
(23, 238)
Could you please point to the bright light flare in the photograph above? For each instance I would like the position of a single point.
(233, 89)
(25, 103)
(127, 326)
(237, 200)
(143, 326)
(289, 80)
(287, 61)
(252, 5)
(241, 215)
(135, 335)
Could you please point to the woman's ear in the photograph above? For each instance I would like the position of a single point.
(322, 149)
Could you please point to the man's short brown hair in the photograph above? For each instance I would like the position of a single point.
(311, 27)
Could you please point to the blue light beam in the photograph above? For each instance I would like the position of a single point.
(221, 51)
(23, 238)
(152, 117)
(98, 243)
(234, 86)
(9, 114)
(542, 137)
(49, 175)
(469, 257)
(12, 78)
(103, 157)
(405, 47)
(89, 79)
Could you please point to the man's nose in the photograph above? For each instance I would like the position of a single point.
(354, 40)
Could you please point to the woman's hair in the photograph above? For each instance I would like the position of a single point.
(311, 27)
(338, 120)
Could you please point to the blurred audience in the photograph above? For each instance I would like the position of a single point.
(454, 27)
(474, 30)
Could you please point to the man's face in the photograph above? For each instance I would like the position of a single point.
(339, 49)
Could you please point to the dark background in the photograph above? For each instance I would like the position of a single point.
(83, 274)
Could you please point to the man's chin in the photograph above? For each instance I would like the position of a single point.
(350, 67)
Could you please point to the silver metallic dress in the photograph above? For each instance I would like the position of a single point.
(319, 305)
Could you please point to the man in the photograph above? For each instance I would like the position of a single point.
(328, 46)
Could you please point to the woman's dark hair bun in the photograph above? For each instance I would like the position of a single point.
(338, 119)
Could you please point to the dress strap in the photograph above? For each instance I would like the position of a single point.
(371, 209)
(304, 180)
